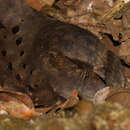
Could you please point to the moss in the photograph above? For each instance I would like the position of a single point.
(103, 117)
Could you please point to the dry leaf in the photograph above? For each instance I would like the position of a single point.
(38, 4)
(17, 104)
(8, 95)
(115, 95)
(71, 101)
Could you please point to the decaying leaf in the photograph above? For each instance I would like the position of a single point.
(19, 110)
(38, 4)
(7, 95)
(109, 94)
(17, 104)
(71, 101)
(101, 95)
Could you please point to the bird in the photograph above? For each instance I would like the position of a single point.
(47, 59)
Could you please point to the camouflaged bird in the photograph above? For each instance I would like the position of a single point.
(47, 59)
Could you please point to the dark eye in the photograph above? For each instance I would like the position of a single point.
(36, 99)
(15, 29)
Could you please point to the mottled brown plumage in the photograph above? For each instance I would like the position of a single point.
(47, 59)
